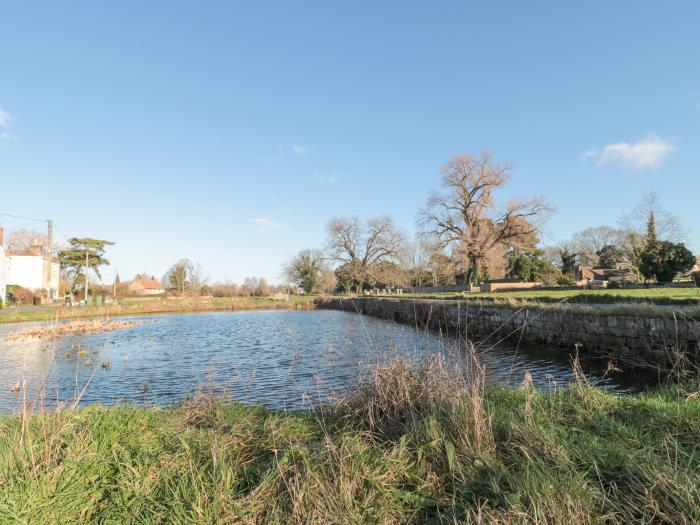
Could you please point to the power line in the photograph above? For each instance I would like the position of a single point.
(23, 218)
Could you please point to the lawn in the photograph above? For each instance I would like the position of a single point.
(402, 449)
(655, 295)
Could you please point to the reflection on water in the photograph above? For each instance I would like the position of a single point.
(282, 359)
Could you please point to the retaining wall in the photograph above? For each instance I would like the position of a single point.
(640, 340)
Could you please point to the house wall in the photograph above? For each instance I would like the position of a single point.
(29, 271)
(3, 275)
(151, 291)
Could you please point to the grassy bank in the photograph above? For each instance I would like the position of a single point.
(154, 306)
(657, 295)
(406, 447)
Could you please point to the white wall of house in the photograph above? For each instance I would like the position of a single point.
(3, 275)
(30, 271)
(152, 291)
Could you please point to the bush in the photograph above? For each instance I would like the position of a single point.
(565, 280)
(664, 260)
(22, 296)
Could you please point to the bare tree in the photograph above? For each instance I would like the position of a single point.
(668, 225)
(465, 217)
(363, 246)
(22, 239)
(587, 243)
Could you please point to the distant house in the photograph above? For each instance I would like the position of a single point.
(146, 287)
(696, 268)
(590, 275)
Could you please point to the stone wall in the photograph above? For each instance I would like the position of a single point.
(639, 340)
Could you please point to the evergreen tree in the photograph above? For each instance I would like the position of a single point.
(82, 255)
(568, 261)
(651, 230)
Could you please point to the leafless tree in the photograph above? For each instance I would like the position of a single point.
(21, 239)
(363, 246)
(465, 218)
(668, 225)
(378, 240)
(587, 243)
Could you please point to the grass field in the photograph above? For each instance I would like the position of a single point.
(664, 296)
(153, 306)
(404, 448)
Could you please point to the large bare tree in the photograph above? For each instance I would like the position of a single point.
(362, 246)
(466, 219)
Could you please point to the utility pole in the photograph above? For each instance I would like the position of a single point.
(50, 270)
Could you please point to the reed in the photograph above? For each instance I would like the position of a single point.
(80, 327)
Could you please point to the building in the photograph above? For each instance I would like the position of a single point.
(31, 271)
(146, 287)
(3, 271)
(587, 275)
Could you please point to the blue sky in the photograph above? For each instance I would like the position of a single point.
(229, 132)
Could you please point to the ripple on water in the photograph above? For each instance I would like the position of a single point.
(283, 359)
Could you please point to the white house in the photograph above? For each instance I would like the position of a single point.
(32, 272)
(3, 272)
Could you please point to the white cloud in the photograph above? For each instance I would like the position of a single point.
(264, 224)
(646, 153)
(298, 150)
(331, 178)
(590, 154)
(4, 118)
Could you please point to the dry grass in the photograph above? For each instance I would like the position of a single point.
(158, 305)
(80, 327)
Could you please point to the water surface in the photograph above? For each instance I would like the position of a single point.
(281, 359)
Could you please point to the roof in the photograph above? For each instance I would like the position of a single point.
(147, 284)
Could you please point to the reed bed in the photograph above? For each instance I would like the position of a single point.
(425, 443)
(80, 327)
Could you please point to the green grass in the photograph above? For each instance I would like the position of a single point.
(402, 450)
(129, 306)
(656, 295)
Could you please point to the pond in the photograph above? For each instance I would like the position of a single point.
(281, 359)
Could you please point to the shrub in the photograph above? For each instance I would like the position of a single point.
(22, 296)
(565, 280)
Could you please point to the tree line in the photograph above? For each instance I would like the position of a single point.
(465, 235)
